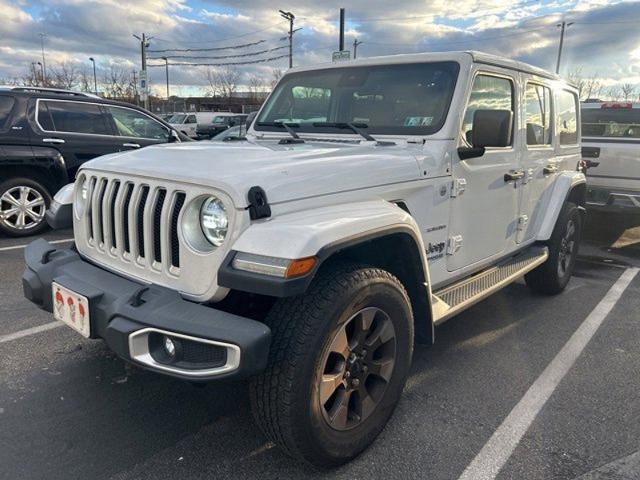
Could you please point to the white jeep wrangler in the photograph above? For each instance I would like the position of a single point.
(372, 201)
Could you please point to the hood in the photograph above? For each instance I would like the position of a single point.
(285, 172)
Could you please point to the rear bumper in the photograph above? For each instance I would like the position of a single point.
(131, 316)
(613, 200)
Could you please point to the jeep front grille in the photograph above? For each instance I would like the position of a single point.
(134, 222)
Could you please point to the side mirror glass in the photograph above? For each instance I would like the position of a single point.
(491, 128)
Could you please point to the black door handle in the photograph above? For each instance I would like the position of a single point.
(513, 175)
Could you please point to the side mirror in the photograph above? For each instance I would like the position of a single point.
(491, 128)
(173, 136)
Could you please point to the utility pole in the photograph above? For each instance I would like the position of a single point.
(341, 43)
(562, 26)
(44, 63)
(166, 65)
(95, 81)
(135, 87)
(355, 47)
(144, 43)
(291, 17)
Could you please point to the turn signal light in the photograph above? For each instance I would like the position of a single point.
(300, 267)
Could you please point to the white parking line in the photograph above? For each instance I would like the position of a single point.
(30, 331)
(495, 453)
(17, 247)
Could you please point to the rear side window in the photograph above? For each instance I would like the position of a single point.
(72, 117)
(538, 114)
(567, 117)
(191, 119)
(612, 122)
(488, 93)
(6, 104)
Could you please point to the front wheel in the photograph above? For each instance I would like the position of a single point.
(339, 360)
(23, 203)
(552, 276)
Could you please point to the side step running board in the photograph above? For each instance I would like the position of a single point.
(452, 299)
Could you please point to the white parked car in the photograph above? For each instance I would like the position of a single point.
(611, 140)
(187, 123)
(372, 201)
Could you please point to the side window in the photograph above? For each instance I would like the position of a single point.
(73, 117)
(130, 123)
(191, 119)
(6, 104)
(538, 114)
(566, 117)
(488, 93)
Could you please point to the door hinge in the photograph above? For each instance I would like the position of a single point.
(528, 175)
(459, 185)
(454, 244)
(523, 221)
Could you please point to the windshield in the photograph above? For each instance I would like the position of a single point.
(177, 118)
(611, 122)
(409, 99)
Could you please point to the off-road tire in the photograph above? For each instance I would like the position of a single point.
(284, 398)
(548, 278)
(12, 184)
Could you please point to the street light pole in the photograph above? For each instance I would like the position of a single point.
(44, 63)
(166, 65)
(341, 40)
(95, 81)
(355, 47)
(562, 26)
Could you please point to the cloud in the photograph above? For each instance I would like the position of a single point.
(603, 40)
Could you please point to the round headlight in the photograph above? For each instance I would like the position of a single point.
(214, 220)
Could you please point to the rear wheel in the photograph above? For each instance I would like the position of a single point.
(23, 203)
(339, 359)
(552, 277)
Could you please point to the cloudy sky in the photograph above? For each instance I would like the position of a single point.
(604, 39)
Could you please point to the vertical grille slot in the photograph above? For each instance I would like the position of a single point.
(89, 200)
(157, 220)
(99, 214)
(125, 216)
(175, 245)
(140, 220)
(111, 202)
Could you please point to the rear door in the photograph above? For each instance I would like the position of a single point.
(538, 159)
(135, 129)
(483, 218)
(79, 130)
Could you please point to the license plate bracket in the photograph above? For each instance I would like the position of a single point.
(71, 308)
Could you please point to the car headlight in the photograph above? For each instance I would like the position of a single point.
(214, 220)
(82, 196)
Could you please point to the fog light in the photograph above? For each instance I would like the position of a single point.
(169, 347)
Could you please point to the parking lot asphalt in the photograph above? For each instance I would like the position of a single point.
(69, 408)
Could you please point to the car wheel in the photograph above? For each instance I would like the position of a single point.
(23, 203)
(339, 359)
(552, 276)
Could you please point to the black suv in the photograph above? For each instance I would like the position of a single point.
(46, 134)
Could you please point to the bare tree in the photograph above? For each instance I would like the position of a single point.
(85, 79)
(628, 90)
(592, 87)
(576, 77)
(31, 76)
(223, 81)
(256, 86)
(276, 75)
(613, 93)
(117, 83)
(63, 75)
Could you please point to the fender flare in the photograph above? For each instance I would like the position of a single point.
(323, 233)
(565, 184)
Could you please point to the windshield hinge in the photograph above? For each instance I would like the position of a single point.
(459, 185)
(454, 244)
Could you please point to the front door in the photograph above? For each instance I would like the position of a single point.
(483, 218)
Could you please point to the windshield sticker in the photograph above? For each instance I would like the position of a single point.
(418, 121)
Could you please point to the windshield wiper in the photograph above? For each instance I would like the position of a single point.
(287, 126)
(355, 128)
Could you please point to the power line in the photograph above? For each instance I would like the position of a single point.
(223, 39)
(220, 57)
(245, 62)
(210, 49)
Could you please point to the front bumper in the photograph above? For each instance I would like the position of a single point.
(613, 200)
(130, 317)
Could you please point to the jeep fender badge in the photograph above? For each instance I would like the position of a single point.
(258, 204)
